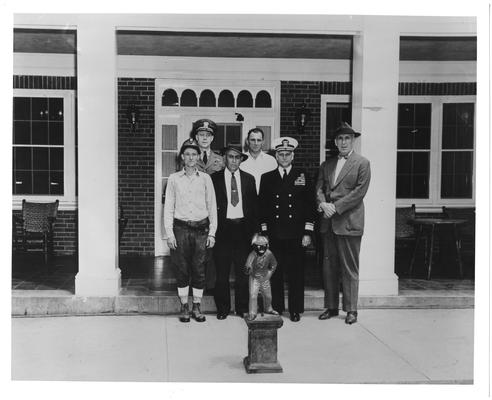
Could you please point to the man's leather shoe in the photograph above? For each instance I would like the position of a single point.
(221, 316)
(328, 313)
(295, 317)
(351, 317)
(196, 313)
(184, 315)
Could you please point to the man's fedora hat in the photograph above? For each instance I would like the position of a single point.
(235, 148)
(189, 144)
(285, 143)
(345, 129)
(206, 125)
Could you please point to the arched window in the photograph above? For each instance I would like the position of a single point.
(170, 98)
(207, 98)
(263, 99)
(244, 99)
(188, 98)
(226, 99)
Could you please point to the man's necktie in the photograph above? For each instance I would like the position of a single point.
(284, 174)
(340, 156)
(205, 157)
(234, 193)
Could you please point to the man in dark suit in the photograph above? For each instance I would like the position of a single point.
(237, 214)
(341, 186)
(287, 213)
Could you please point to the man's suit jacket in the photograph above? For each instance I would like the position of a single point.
(215, 163)
(286, 208)
(249, 198)
(346, 194)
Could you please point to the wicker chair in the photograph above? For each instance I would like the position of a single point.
(34, 228)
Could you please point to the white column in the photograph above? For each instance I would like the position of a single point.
(375, 109)
(99, 274)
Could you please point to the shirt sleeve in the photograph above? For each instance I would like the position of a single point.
(169, 207)
(211, 204)
(249, 260)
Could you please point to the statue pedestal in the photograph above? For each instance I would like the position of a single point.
(262, 344)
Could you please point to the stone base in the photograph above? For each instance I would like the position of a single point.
(252, 368)
(262, 344)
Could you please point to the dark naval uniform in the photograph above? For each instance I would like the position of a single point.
(287, 213)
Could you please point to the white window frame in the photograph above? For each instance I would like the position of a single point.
(434, 199)
(68, 200)
(327, 99)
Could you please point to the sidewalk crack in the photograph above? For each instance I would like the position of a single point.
(396, 353)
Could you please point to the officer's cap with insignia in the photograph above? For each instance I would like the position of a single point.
(205, 125)
(285, 143)
(189, 144)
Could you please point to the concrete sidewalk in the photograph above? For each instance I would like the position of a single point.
(385, 346)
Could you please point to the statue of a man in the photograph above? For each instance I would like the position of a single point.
(260, 266)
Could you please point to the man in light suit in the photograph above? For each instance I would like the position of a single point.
(237, 214)
(340, 189)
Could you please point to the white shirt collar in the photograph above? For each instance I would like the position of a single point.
(281, 169)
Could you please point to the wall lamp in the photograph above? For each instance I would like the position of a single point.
(239, 117)
(302, 117)
(133, 115)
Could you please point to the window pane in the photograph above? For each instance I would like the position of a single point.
(458, 126)
(405, 114)
(188, 98)
(244, 99)
(39, 109)
(226, 99)
(414, 123)
(457, 174)
(169, 98)
(41, 182)
(56, 109)
(169, 137)
(56, 133)
(56, 159)
(219, 138)
(40, 132)
(40, 158)
(22, 132)
(412, 175)
(422, 114)
(233, 135)
(22, 182)
(207, 98)
(168, 163)
(263, 99)
(421, 137)
(23, 158)
(22, 108)
(56, 182)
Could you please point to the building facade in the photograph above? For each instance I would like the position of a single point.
(102, 103)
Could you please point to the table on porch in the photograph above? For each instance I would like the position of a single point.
(426, 228)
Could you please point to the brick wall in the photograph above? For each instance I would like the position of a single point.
(136, 166)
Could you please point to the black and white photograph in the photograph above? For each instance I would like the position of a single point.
(252, 196)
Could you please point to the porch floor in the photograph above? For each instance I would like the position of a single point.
(152, 275)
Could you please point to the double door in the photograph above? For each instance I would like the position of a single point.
(172, 128)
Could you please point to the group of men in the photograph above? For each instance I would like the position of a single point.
(216, 203)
